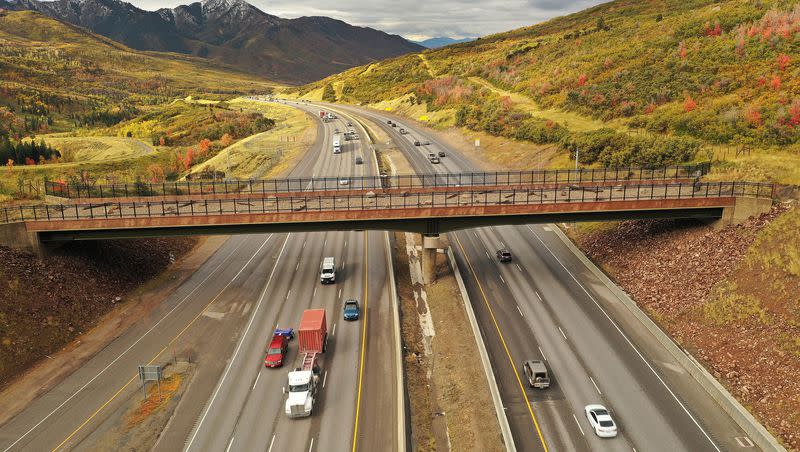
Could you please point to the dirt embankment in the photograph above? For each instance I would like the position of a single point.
(728, 296)
(451, 407)
(45, 304)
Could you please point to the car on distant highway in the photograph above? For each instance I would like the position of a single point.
(403, 131)
(351, 310)
(349, 124)
(504, 255)
(394, 124)
(416, 143)
(276, 351)
(601, 421)
(344, 181)
(389, 121)
(441, 154)
(359, 160)
(335, 130)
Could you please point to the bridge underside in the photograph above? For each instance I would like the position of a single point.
(419, 225)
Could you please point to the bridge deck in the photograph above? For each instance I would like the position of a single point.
(373, 209)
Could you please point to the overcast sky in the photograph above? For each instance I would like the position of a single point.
(417, 19)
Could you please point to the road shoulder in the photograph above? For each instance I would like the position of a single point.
(48, 373)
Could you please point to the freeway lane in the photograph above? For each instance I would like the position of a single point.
(245, 411)
(207, 314)
(551, 306)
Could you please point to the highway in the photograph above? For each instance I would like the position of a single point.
(245, 411)
(547, 305)
(223, 317)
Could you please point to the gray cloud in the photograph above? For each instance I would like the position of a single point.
(417, 19)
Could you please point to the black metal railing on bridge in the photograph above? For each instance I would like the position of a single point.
(499, 178)
(372, 201)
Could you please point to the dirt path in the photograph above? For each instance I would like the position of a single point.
(427, 64)
(49, 372)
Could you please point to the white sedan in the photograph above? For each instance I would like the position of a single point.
(344, 181)
(601, 422)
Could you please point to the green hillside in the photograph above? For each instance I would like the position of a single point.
(627, 81)
(55, 77)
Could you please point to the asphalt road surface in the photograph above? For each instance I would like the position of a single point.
(223, 317)
(547, 305)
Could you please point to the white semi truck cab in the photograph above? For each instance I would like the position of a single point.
(337, 144)
(302, 391)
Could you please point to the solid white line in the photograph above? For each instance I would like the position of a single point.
(340, 293)
(312, 445)
(595, 386)
(258, 375)
(271, 443)
(475, 234)
(324, 242)
(518, 267)
(333, 333)
(520, 311)
(538, 296)
(324, 378)
(304, 247)
(562, 332)
(629, 342)
(342, 267)
(288, 293)
(540, 351)
(501, 279)
(230, 443)
(487, 255)
(297, 266)
(345, 243)
(180, 303)
(238, 347)
(579, 424)
(315, 293)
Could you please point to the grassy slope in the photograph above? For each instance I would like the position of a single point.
(62, 75)
(628, 73)
(266, 154)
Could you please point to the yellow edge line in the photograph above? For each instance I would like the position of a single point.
(363, 339)
(116, 394)
(503, 341)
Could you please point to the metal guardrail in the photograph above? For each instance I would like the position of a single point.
(565, 176)
(371, 201)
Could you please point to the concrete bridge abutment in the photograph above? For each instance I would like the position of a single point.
(17, 236)
(743, 209)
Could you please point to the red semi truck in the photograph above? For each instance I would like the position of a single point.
(304, 380)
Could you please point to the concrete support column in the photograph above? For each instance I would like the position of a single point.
(430, 245)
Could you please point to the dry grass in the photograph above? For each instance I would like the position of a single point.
(267, 154)
(156, 401)
(780, 166)
(97, 149)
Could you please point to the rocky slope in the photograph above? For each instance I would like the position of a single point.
(729, 297)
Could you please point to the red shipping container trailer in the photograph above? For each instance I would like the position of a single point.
(313, 331)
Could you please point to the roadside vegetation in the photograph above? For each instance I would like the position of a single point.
(77, 107)
(637, 82)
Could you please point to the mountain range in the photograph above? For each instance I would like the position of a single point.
(233, 32)
(441, 41)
